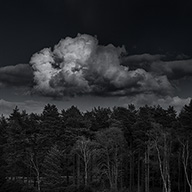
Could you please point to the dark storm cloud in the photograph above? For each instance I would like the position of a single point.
(143, 61)
(79, 66)
(174, 70)
(19, 75)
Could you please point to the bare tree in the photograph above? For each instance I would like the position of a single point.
(185, 160)
(160, 141)
(111, 141)
(85, 148)
(33, 163)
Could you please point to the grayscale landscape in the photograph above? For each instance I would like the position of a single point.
(95, 96)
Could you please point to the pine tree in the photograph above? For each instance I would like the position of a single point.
(50, 126)
(52, 170)
(15, 143)
(3, 141)
(100, 118)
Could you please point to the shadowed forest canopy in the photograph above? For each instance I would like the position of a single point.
(119, 149)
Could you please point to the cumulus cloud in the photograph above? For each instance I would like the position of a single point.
(80, 66)
(19, 75)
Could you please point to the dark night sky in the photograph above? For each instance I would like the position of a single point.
(142, 26)
(145, 27)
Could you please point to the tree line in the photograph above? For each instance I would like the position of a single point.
(119, 149)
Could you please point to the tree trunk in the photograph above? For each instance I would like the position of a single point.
(67, 170)
(138, 174)
(147, 169)
(185, 185)
(148, 173)
(143, 176)
(179, 173)
(121, 171)
(116, 168)
(185, 158)
(161, 169)
(91, 169)
(38, 183)
(86, 172)
(133, 172)
(146, 190)
(36, 168)
(74, 170)
(35, 181)
(130, 175)
(78, 171)
(27, 180)
(130, 172)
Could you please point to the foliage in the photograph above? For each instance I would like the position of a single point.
(11, 186)
(119, 149)
(52, 171)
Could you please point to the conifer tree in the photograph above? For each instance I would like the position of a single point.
(52, 170)
(50, 126)
(3, 141)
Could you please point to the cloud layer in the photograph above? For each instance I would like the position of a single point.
(159, 64)
(154, 100)
(31, 106)
(19, 75)
(80, 66)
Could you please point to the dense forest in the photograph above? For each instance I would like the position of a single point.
(121, 149)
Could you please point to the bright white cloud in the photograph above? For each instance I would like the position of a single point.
(79, 66)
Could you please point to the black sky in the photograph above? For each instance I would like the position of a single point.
(142, 26)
